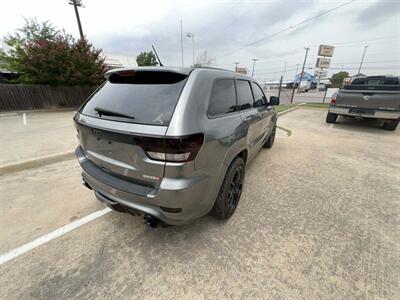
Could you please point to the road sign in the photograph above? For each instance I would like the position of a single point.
(325, 50)
(323, 62)
(320, 73)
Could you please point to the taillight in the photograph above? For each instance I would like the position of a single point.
(172, 149)
(333, 100)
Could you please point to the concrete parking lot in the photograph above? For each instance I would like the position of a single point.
(318, 219)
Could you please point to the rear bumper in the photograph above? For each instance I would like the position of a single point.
(189, 198)
(377, 114)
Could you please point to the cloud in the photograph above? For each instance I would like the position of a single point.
(378, 13)
(218, 28)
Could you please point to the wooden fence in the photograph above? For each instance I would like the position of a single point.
(25, 97)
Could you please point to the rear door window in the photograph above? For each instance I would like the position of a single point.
(137, 97)
(245, 96)
(222, 98)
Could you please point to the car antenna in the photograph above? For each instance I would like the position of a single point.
(159, 61)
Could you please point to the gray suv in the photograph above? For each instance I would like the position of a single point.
(172, 144)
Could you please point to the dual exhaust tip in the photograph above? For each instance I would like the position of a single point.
(148, 220)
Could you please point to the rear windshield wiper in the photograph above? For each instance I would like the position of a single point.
(107, 112)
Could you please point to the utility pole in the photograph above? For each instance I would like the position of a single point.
(236, 66)
(254, 64)
(284, 70)
(181, 44)
(280, 82)
(362, 60)
(77, 3)
(302, 69)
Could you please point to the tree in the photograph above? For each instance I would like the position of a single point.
(337, 78)
(146, 59)
(203, 60)
(42, 54)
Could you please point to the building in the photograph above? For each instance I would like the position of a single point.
(272, 85)
(113, 61)
(308, 81)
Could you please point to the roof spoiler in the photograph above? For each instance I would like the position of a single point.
(131, 71)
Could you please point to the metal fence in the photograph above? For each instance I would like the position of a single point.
(25, 97)
(312, 96)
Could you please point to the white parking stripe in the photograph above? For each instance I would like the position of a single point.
(51, 236)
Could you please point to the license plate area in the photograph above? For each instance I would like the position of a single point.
(362, 111)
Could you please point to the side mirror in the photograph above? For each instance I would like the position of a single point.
(273, 100)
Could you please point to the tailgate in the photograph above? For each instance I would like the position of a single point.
(370, 99)
(116, 152)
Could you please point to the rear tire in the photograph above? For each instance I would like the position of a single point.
(231, 190)
(392, 125)
(270, 142)
(331, 118)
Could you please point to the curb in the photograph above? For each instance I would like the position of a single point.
(37, 162)
(51, 159)
(291, 109)
(28, 111)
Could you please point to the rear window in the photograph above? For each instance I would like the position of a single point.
(376, 81)
(137, 97)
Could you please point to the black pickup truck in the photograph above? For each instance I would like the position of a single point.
(368, 97)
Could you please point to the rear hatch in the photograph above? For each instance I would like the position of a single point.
(128, 115)
(375, 92)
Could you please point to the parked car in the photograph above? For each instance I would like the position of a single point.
(375, 97)
(172, 144)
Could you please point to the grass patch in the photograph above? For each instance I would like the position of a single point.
(283, 107)
(316, 105)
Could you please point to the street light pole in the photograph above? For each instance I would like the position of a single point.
(191, 35)
(77, 3)
(236, 66)
(254, 65)
(181, 44)
(362, 59)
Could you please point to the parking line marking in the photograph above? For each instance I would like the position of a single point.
(52, 235)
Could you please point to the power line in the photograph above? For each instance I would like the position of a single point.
(333, 64)
(291, 27)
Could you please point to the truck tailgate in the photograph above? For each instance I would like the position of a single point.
(371, 99)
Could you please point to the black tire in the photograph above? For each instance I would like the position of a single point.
(270, 142)
(231, 189)
(392, 125)
(331, 118)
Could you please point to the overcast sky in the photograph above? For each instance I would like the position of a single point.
(232, 31)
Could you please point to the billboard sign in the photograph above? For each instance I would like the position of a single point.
(325, 50)
(323, 62)
(241, 70)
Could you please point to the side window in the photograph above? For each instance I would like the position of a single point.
(223, 98)
(259, 97)
(245, 96)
